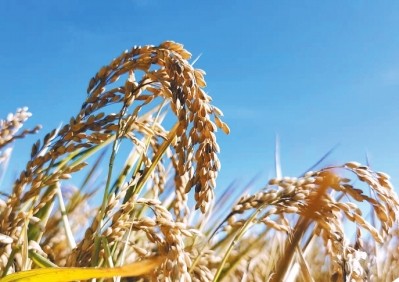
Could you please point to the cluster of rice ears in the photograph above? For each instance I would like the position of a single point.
(158, 220)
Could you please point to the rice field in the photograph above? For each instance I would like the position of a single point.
(158, 218)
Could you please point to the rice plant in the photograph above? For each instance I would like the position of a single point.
(158, 219)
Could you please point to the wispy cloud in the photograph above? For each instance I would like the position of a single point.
(390, 77)
(141, 3)
(241, 112)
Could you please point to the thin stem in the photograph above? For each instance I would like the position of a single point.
(302, 225)
(115, 147)
(236, 238)
(10, 260)
(40, 261)
(155, 160)
(140, 160)
(67, 226)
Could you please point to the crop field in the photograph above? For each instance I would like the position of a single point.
(158, 218)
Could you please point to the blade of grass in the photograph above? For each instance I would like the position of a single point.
(75, 273)
(238, 235)
(325, 156)
(155, 160)
(40, 261)
(24, 244)
(92, 170)
(10, 261)
(304, 266)
(300, 228)
(277, 159)
(67, 226)
(115, 146)
(134, 190)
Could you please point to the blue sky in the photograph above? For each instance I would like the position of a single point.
(316, 73)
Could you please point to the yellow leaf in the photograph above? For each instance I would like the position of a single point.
(64, 274)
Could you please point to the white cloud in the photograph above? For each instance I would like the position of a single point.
(141, 3)
(390, 77)
(241, 112)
